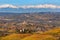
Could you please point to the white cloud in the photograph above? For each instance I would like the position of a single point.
(30, 6)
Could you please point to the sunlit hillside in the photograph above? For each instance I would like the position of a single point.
(15, 36)
(53, 34)
(49, 35)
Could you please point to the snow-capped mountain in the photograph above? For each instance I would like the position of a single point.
(7, 5)
(29, 8)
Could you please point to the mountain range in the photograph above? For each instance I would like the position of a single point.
(29, 8)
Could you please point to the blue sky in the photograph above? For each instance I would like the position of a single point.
(30, 2)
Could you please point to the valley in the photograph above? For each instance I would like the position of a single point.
(28, 23)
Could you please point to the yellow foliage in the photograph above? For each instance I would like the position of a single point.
(53, 31)
(49, 35)
(15, 36)
(45, 36)
(39, 37)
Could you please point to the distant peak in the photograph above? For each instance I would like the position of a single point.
(8, 5)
